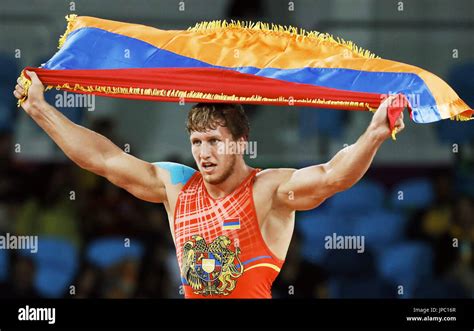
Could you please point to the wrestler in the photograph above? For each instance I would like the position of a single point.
(231, 223)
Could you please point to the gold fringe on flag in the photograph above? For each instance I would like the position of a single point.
(461, 117)
(298, 33)
(290, 31)
(70, 22)
(203, 96)
(25, 83)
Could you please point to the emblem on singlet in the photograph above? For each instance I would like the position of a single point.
(211, 269)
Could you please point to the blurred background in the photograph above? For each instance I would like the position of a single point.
(414, 207)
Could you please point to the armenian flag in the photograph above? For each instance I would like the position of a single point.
(240, 62)
(231, 224)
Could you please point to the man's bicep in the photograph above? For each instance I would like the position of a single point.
(138, 177)
(304, 188)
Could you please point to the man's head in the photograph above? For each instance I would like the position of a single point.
(218, 134)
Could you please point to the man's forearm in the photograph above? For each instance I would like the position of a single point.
(351, 163)
(85, 147)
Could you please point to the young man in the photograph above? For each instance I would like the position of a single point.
(231, 224)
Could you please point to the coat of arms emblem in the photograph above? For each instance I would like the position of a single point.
(211, 269)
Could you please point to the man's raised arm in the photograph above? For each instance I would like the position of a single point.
(90, 150)
(307, 188)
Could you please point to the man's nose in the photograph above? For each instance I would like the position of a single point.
(205, 151)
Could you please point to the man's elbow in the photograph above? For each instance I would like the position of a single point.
(338, 185)
(94, 167)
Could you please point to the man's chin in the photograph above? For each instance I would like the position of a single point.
(212, 179)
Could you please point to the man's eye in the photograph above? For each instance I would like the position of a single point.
(196, 142)
(214, 141)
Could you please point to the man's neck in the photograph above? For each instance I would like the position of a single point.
(241, 171)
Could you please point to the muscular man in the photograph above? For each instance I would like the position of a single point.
(231, 224)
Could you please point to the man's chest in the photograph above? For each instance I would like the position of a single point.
(261, 195)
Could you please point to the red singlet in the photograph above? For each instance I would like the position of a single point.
(220, 250)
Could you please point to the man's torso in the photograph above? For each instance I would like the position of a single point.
(276, 223)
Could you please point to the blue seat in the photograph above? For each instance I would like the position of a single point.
(407, 264)
(451, 132)
(380, 227)
(4, 265)
(105, 252)
(363, 197)
(359, 288)
(349, 263)
(314, 226)
(56, 265)
(417, 193)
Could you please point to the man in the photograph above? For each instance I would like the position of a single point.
(231, 224)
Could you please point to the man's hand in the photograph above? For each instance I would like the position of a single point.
(35, 93)
(379, 125)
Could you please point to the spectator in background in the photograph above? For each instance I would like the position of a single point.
(88, 282)
(53, 213)
(21, 282)
(154, 281)
(109, 210)
(433, 224)
(462, 230)
(437, 220)
(120, 280)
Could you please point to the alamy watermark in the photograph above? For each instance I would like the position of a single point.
(28, 313)
(410, 99)
(66, 99)
(9, 241)
(345, 242)
(236, 147)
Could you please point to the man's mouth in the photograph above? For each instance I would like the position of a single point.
(208, 166)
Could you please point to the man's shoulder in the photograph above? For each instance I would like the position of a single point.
(177, 173)
(273, 176)
(275, 173)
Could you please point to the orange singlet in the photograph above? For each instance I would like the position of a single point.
(221, 252)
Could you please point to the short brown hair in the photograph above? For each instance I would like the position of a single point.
(208, 116)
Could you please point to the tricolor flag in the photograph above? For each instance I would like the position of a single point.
(231, 224)
(240, 62)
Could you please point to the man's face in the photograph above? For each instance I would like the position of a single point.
(215, 153)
